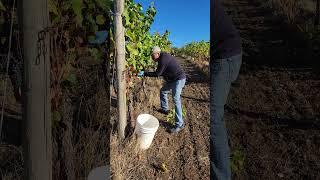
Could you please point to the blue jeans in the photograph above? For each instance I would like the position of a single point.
(222, 73)
(176, 88)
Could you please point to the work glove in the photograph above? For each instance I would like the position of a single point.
(141, 73)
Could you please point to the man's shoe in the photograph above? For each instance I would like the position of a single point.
(176, 129)
(166, 112)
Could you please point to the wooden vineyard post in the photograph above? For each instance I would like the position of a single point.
(36, 91)
(120, 63)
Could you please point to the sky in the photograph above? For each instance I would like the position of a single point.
(186, 20)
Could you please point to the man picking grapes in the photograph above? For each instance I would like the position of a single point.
(175, 79)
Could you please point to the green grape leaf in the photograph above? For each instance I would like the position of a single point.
(131, 50)
(77, 6)
(52, 7)
(56, 20)
(100, 19)
(130, 35)
(56, 116)
(72, 78)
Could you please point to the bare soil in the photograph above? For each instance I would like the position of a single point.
(186, 154)
(273, 112)
(273, 118)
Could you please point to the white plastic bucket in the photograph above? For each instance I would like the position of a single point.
(146, 127)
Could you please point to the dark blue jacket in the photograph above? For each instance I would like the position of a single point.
(226, 41)
(168, 67)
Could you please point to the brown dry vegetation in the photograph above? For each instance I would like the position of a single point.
(201, 65)
(80, 139)
(11, 152)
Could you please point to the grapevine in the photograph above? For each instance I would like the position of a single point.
(198, 50)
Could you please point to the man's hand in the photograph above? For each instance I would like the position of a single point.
(141, 73)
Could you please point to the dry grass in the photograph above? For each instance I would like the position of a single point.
(300, 15)
(82, 141)
(126, 157)
(288, 8)
(202, 65)
(291, 9)
(11, 158)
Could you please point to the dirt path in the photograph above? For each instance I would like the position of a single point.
(186, 154)
(196, 100)
(273, 113)
(267, 38)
